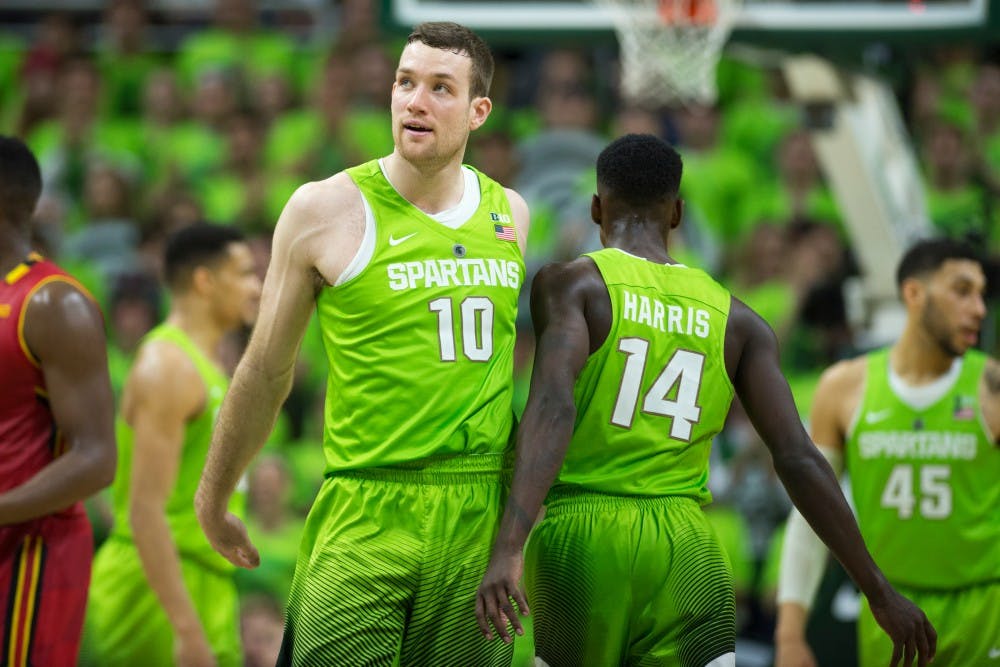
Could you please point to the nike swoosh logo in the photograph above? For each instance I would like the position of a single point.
(394, 241)
(876, 417)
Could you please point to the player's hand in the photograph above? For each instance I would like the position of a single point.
(229, 537)
(500, 584)
(793, 653)
(912, 634)
(191, 649)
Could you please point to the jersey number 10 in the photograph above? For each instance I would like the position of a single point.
(477, 327)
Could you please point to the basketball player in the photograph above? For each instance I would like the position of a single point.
(637, 362)
(57, 441)
(160, 593)
(916, 426)
(414, 263)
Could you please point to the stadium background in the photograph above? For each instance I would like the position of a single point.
(147, 116)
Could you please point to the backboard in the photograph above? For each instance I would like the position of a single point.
(782, 23)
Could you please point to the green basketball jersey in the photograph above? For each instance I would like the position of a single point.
(651, 398)
(420, 343)
(925, 482)
(184, 527)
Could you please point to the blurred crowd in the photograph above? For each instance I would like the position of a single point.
(144, 122)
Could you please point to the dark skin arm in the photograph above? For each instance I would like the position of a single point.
(752, 363)
(571, 312)
(64, 331)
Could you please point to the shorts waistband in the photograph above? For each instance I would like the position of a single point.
(477, 468)
(198, 559)
(576, 502)
(985, 584)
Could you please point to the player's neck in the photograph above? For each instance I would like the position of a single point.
(641, 240)
(13, 250)
(196, 321)
(917, 359)
(431, 188)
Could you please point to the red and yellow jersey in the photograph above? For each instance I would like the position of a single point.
(29, 437)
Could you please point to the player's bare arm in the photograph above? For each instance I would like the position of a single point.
(835, 404)
(804, 555)
(561, 297)
(163, 393)
(989, 398)
(752, 360)
(80, 397)
(316, 237)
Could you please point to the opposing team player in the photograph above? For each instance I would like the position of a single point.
(57, 441)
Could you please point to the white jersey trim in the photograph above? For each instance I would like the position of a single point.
(457, 215)
(453, 217)
(678, 264)
(365, 251)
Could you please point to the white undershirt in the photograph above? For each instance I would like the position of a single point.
(924, 395)
(453, 218)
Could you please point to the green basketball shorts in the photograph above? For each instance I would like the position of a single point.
(126, 625)
(389, 566)
(616, 580)
(967, 622)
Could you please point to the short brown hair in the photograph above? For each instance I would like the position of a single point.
(459, 39)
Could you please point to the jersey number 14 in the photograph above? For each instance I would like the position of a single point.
(683, 371)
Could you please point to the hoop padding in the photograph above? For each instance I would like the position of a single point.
(669, 50)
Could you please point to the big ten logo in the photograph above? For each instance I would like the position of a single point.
(499, 217)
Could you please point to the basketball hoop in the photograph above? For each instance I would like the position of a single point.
(670, 48)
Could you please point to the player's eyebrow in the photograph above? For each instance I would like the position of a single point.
(433, 75)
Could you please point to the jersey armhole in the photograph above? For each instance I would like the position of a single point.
(852, 423)
(365, 251)
(28, 354)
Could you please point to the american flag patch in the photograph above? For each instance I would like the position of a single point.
(504, 232)
(965, 408)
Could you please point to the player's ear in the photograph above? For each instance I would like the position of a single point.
(678, 213)
(595, 209)
(479, 112)
(912, 291)
(202, 279)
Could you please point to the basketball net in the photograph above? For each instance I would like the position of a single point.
(670, 48)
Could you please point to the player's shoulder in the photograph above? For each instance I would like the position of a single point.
(845, 376)
(160, 366)
(320, 217)
(569, 275)
(515, 199)
(991, 374)
(744, 326)
(337, 194)
(58, 300)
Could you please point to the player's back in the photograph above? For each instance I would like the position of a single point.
(29, 436)
(924, 481)
(651, 398)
